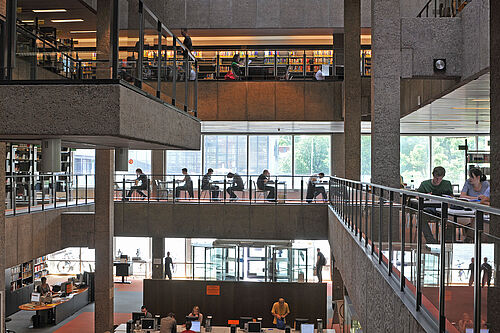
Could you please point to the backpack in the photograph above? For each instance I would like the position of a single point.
(323, 260)
(280, 324)
(229, 76)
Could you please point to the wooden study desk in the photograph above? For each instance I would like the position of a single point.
(61, 308)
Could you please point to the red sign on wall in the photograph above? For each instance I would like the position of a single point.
(131, 161)
(213, 290)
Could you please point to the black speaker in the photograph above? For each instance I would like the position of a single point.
(288, 329)
(233, 328)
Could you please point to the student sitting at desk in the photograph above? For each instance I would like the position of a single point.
(196, 314)
(188, 328)
(141, 183)
(476, 187)
(205, 184)
(44, 288)
(262, 185)
(168, 324)
(145, 311)
(436, 185)
(313, 190)
(237, 185)
(187, 186)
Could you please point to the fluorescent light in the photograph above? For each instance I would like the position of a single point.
(82, 31)
(481, 100)
(470, 108)
(49, 10)
(28, 21)
(66, 20)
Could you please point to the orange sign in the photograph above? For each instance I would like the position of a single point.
(233, 322)
(131, 161)
(213, 290)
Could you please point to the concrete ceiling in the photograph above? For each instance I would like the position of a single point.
(466, 110)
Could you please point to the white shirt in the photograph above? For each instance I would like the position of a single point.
(192, 75)
(319, 75)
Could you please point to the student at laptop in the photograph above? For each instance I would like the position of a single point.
(196, 313)
(188, 328)
(436, 185)
(168, 324)
(145, 311)
(44, 288)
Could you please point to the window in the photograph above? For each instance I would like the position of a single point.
(414, 159)
(178, 159)
(273, 153)
(312, 154)
(139, 159)
(445, 153)
(366, 158)
(225, 153)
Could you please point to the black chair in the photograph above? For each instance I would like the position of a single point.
(6, 329)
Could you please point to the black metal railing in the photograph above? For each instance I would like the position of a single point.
(282, 189)
(442, 8)
(31, 193)
(437, 251)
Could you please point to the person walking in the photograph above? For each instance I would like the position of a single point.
(320, 262)
(471, 270)
(486, 268)
(168, 263)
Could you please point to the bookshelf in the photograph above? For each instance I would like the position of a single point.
(366, 62)
(480, 160)
(40, 268)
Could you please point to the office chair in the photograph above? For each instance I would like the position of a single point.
(258, 191)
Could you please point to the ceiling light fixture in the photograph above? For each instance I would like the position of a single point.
(28, 21)
(481, 100)
(82, 31)
(67, 20)
(49, 10)
(439, 65)
(455, 108)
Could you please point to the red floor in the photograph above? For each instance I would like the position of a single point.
(136, 285)
(84, 323)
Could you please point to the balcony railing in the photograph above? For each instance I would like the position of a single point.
(171, 75)
(439, 252)
(443, 8)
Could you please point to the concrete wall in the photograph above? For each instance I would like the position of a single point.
(104, 114)
(227, 221)
(30, 236)
(476, 37)
(426, 39)
(377, 303)
(255, 14)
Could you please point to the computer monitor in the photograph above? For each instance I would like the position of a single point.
(307, 328)
(148, 324)
(191, 318)
(35, 297)
(243, 321)
(137, 316)
(254, 327)
(196, 326)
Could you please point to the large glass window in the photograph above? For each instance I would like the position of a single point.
(414, 159)
(366, 158)
(273, 153)
(225, 153)
(71, 260)
(312, 154)
(139, 159)
(445, 153)
(84, 161)
(178, 159)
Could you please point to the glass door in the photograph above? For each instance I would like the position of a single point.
(299, 265)
(281, 264)
(221, 263)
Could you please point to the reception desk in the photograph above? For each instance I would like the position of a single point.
(60, 309)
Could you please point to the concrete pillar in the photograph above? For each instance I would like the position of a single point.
(103, 43)
(158, 257)
(104, 231)
(494, 292)
(158, 168)
(352, 89)
(3, 7)
(2, 236)
(386, 77)
(338, 160)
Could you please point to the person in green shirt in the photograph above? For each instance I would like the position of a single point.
(436, 185)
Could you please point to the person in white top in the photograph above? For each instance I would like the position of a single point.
(319, 75)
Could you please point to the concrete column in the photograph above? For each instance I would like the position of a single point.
(352, 89)
(158, 167)
(2, 236)
(104, 231)
(494, 292)
(386, 77)
(3, 7)
(158, 257)
(103, 43)
(338, 159)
